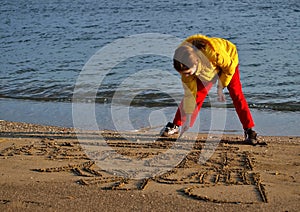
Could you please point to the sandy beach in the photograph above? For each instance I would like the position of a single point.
(46, 168)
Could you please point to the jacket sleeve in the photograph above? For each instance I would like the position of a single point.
(227, 60)
(190, 91)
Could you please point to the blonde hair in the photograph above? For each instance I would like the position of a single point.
(185, 57)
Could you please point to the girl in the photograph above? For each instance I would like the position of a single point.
(201, 61)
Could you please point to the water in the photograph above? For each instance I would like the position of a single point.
(45, 45)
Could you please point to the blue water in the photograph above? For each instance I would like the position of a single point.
(45, 45)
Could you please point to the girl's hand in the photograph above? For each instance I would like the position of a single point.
(221, 95)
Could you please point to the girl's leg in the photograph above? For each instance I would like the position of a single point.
(203, 89)
(239, 101)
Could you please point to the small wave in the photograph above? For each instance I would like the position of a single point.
(27, 70)
(285, 107)
(152, 101)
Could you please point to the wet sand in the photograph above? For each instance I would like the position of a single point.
(45, 168)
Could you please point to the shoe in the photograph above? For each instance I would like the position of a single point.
(170, 129)
(250, 137)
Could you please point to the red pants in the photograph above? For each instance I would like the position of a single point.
(236, 93)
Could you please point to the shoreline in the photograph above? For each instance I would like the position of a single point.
(268, 123)
(46, 168)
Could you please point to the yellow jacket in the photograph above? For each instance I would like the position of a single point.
(218, 57)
